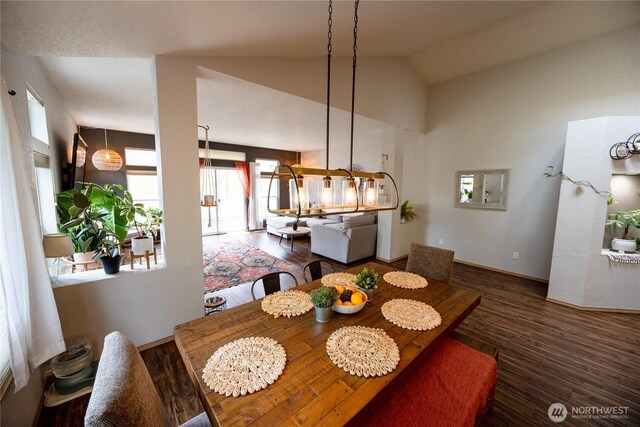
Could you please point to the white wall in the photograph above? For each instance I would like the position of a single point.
(515, 116)
(580, 274)
(146, 306)
(20, 409)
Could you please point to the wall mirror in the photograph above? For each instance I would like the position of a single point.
(482, 189)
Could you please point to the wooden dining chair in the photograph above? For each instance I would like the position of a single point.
(430, 263)
(315, 270)
(271, 283)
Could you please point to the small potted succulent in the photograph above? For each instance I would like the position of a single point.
(625, 220)
(367, 281)
(323, 299)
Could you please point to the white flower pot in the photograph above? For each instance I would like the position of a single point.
(626, 245)
(139, 246)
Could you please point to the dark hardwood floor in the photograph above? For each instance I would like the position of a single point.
(548, 352)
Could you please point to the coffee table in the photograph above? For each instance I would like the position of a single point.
(291, 233)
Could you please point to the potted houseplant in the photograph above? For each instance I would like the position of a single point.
(95, 219)
(624, 220)
(143, 221)
(295, 223)
(367, 281)
(107, 200)
(323, 299)
(407, 212)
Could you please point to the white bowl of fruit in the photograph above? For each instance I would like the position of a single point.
(350, 300)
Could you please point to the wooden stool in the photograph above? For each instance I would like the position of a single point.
(454, 386)
(145, 256)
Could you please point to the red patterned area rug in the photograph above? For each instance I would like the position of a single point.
(232, 263)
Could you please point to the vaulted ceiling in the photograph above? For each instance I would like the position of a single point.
(98, 54)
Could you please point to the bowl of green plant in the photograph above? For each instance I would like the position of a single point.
(367, 280)
(323, 299)
(624, 220)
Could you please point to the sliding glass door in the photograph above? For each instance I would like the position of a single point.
(230, 212)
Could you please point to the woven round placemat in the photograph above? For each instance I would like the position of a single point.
(341, 279)
(244, 366)
(362, 351)
(404, 279)
(411, 314)
(287, 303)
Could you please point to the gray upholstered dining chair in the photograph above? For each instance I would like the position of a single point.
(123, 393)
(316, 269)
(431, 263)
(271, 283)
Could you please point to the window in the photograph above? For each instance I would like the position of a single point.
(45, 193)
(273, 200)
(140, 157)
(236, 156)
(267, 166)
(37, 116)
(143, 186)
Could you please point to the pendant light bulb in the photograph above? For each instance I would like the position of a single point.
(371, 192)
(349, 193)
(298, 193)
(327, 193)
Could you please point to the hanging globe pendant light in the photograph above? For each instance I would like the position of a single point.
(106, 160)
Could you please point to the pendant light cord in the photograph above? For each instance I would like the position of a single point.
(106, 143)
(329, 49)
(353, 77)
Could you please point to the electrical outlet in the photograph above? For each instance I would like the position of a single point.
(440, 242)
(515, 255)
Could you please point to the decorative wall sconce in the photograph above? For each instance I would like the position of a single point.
(626, 150)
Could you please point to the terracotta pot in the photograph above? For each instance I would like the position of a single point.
(83, 257)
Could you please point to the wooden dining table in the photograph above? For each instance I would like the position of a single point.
(312, 390)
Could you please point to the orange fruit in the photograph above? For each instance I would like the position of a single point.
(338, 302)
(356, 299)
(340, 289)
(347, 303)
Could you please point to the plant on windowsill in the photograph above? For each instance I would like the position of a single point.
(323, 299)
(144, 221)
(96, 211)
(624, 220)
(367, 280)
(407, 212)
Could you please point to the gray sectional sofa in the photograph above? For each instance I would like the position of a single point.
(344, 238)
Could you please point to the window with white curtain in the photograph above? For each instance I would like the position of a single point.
(267, 167)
